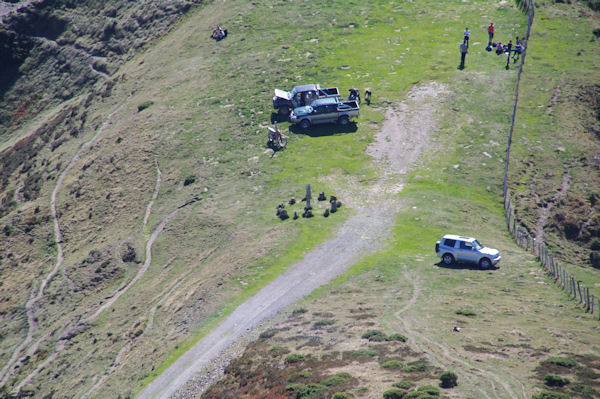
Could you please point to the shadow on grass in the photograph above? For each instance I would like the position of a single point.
(465, 266)
(326, 129)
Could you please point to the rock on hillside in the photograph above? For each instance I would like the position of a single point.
(53, 49)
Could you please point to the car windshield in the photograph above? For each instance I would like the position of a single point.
(477, 245)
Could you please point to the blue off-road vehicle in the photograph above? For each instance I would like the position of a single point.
(285, 101)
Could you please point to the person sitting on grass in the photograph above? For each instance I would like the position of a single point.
(499, 48)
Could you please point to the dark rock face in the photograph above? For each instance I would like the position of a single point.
(52, 50)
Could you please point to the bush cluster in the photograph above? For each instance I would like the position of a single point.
(448, 380)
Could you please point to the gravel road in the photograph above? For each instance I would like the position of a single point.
(403, 137)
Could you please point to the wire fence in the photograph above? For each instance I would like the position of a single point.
(561, 277)
(520, 234)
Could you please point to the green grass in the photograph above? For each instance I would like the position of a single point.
(212, 102)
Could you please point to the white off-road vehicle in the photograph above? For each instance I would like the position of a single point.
(453, 248)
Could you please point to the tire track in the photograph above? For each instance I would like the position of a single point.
(445, 355)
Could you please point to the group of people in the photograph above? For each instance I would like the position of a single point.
(510, 49)
(516, 49)
(355, 95)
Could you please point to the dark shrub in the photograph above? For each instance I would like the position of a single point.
(374, 336)
(562, 361)
(571, 229)
(555, 381)
(309, 390)
(595, 244)
(585, 390)
(429, 390)
(468, 313)
(277, 351)
(364, 352)
(448, 380)
(323, 323)
(393, 364)
(397, 337)
(340, 395)
(403, 384)
(550, 395)
(393, 394)
(268, 333)
(595, 259)
(145, 105)
(189, 180)
(294, 358)
(337, 379)
(293, 387)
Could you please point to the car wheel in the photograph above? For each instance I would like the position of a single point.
(485, 263)
(304, 123)
(448, 259)
(344, 120)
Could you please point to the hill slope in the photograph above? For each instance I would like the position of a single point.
(166, 218)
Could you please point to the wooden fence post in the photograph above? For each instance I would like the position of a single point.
(587, 296)
(579, 289)
(592, 303)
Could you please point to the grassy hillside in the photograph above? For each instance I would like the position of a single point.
(207, 107)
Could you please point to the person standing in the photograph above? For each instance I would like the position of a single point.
(464, 48)
(491, 32)
(508, 50)
(467, 34)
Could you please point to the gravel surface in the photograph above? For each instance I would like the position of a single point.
(403, 136)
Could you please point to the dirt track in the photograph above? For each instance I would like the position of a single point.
(402, 138)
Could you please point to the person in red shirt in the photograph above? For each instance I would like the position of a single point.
(491, 31)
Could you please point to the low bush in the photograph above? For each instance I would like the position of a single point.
(298, 311)
(309, 390)
(364, 352)
(278, 350)
(295, 358)
(397, 337)
(468, 313)
(562, 361)
(429, 390)
(144, 105)
(550, 395)
(323, 323)
(189, 180)
(393, 364)
(375, 336)
(555, 381)
(595, 244)
(337, 379)
(340, 395)
(585, 390)
(293, 387)
(303, 375)
(268, 333)
(448, 380)
(403, 384)
(413, 368)
(393, 394)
